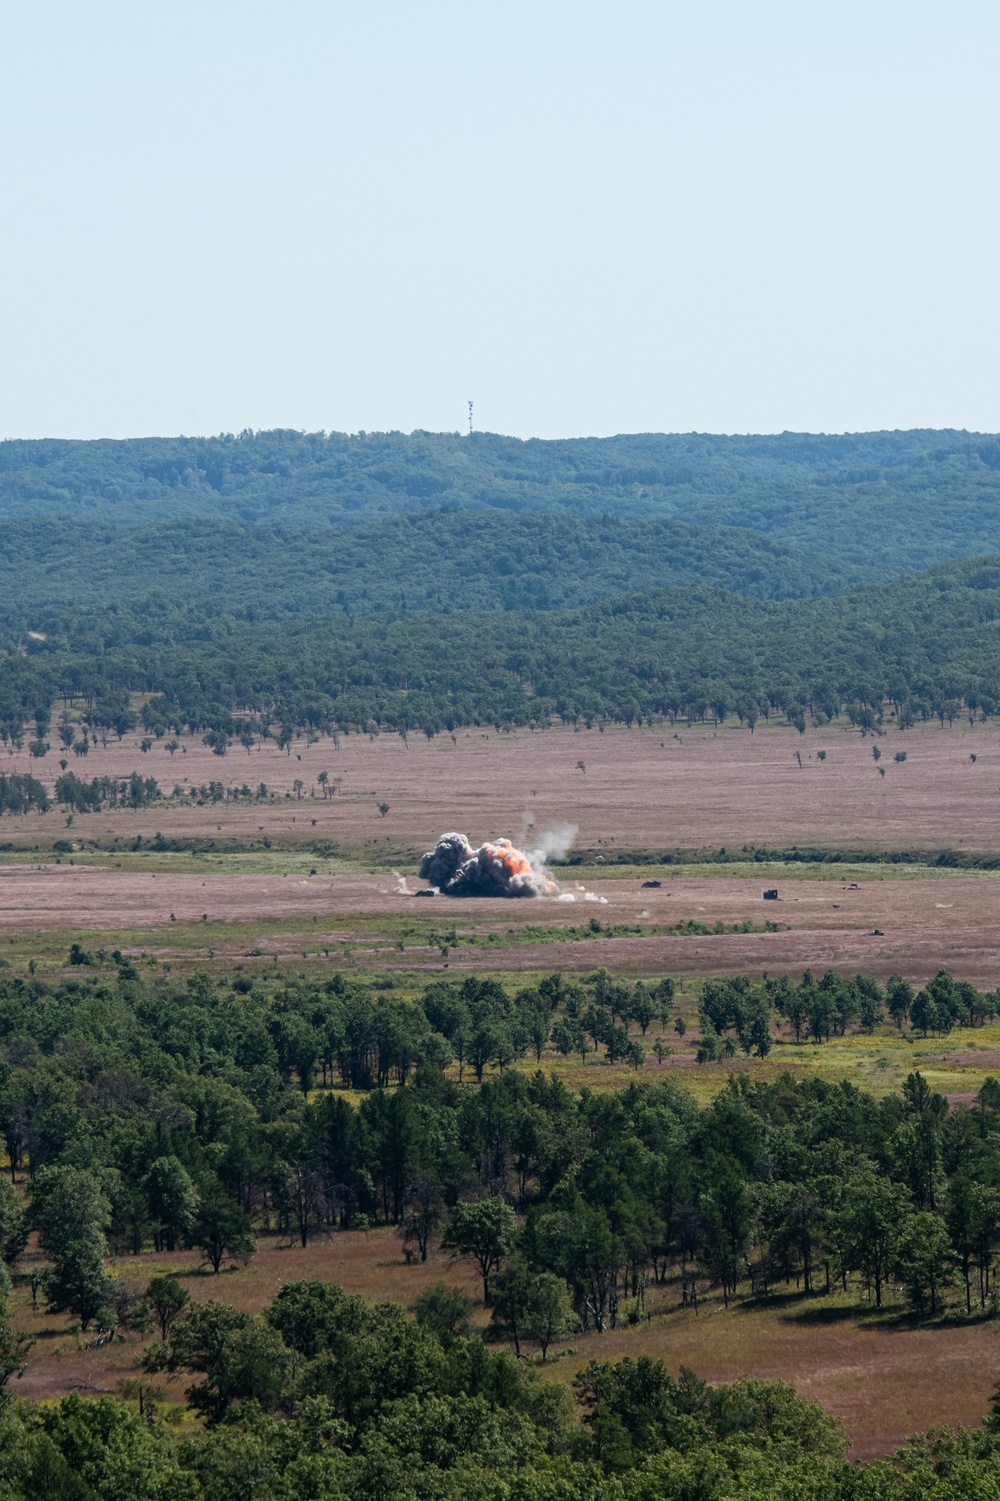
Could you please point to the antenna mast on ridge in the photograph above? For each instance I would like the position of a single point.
(470, 419)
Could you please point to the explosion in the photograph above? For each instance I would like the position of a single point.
(456, 869)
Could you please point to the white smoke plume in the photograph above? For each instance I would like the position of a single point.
(555, 844)
(584, 896)
(494, 869)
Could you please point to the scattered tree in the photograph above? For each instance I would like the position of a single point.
(483, 1232)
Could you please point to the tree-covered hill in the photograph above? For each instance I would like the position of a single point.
(929, 645)
(487, 580)
(445, 559)
(901, 500)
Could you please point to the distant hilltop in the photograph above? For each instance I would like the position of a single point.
(896, 500)
(318, 581)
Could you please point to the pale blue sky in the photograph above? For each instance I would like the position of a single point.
(589, 217)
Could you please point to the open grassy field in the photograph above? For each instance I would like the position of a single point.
(307, 878)
(914, 922)
(650, 789)
(886, 1376)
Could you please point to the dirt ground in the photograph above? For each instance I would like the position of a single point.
(648, 789)
(922, 1376)
(914, 925)
(886, 1380)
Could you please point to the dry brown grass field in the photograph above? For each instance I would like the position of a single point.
(885, 1376)
(924, 922)
(650, 789)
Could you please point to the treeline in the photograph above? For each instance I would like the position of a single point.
(741, 1013)
(795, 854)
(148, 1113)
(164, 1114)
(106, 792)
(922, 649)
(20, 793)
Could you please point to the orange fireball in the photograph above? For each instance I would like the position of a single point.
(494, 869)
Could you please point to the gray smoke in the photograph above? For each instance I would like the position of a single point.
(554, 844)
(494, 869)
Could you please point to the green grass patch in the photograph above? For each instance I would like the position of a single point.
(269, 862)
(452, 938)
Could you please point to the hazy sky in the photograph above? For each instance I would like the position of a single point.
(589, 217)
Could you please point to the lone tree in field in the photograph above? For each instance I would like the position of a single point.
(166, 1299)
(222, 1227)
(549, 1314)
(423, 1213)
(482, 1232)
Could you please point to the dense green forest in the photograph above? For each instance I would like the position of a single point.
(436, 560)
(904, 499)
(483, 580)
(143, 1113)
(204, 1112)
(927, 646)
(900, 501)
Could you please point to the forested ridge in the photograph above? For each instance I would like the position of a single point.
(444, 559)
(910, 498)
(384, 581)
(925, 647)
(142, 1113)
(900, 500)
